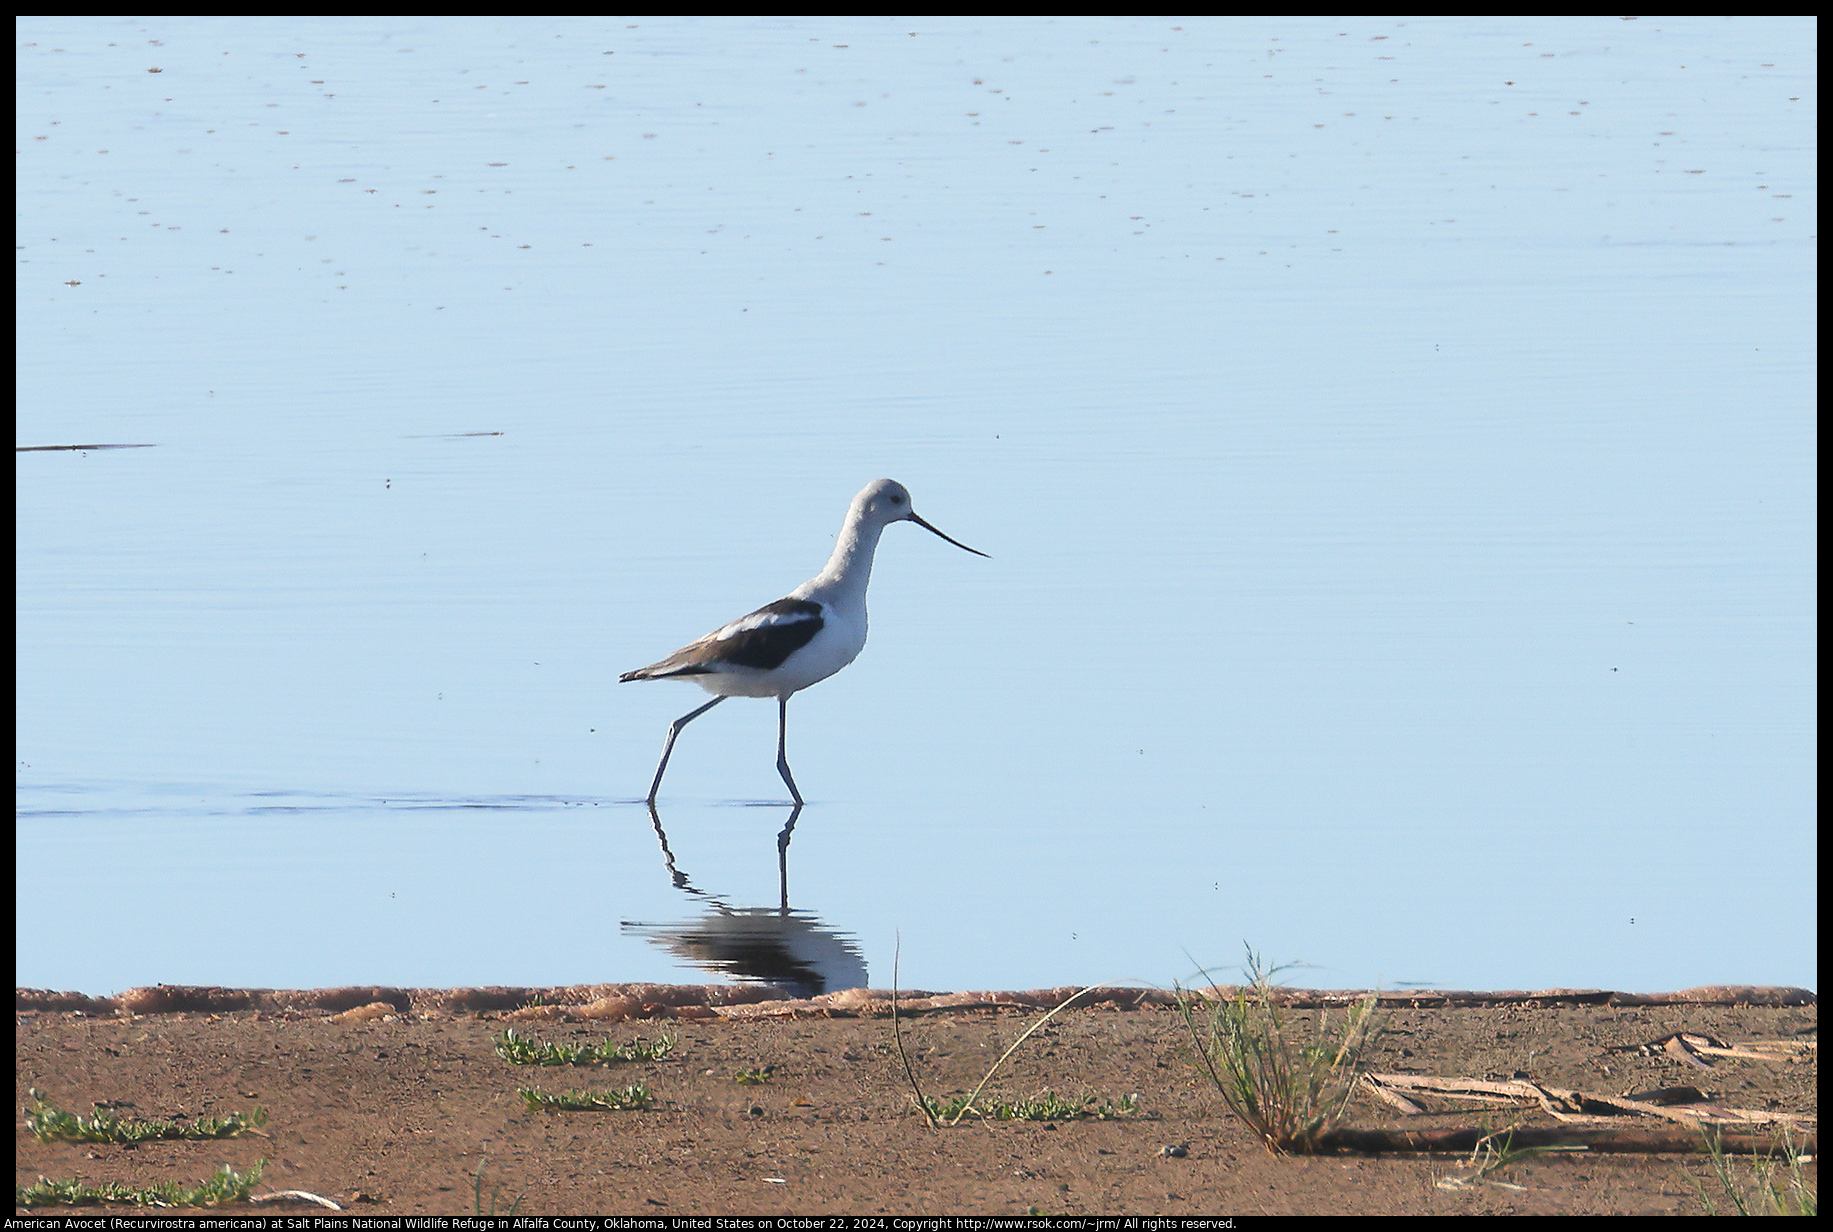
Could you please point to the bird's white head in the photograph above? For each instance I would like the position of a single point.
(884, 501)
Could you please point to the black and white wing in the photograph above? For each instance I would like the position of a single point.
(759, 641)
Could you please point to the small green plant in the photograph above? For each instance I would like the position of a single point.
(1044, 1106)
(961, 1105)
(520, 1050)
(477, 1196)
(754, 1077)
(1290, 1092)
(1776, 1187)
(51, 1124)
(1491, 1156)
(224, 1187)
(634, 1098)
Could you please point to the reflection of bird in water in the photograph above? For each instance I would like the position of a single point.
(790, 950)
(785, 646)
(776, 945)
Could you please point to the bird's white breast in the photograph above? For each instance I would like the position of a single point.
(837, 645)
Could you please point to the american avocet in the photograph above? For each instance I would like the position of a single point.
(802, 639)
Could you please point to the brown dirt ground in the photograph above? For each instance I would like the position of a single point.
(394, 1115)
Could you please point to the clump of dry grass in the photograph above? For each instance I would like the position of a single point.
(1290, 1091)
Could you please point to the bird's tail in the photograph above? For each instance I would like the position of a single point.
(663, 671)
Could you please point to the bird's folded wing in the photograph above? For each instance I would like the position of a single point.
(759, 641)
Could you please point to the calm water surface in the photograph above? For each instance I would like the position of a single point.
(1394, 442)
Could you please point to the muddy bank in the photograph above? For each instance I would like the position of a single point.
(390, 1104)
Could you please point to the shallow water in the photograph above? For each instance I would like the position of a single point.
(1394, 443)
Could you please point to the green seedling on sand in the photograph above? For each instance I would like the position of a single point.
(948, 1115)
(1044, 1106)
(225, 1187)
(1496, 1152)
(754, 1077)
(51, 1124)
(1290, 1092)
(520, 1050)
(477, 1196)
(1776, 1186)
(634, 1098)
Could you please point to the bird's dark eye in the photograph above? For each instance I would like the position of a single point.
(896, 499)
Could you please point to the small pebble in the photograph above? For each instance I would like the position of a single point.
(1176, 1150)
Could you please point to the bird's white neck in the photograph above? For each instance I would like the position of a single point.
(843, 582)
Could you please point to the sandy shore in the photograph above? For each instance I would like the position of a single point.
(389, 1101)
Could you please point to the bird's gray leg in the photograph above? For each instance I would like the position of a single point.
(782, 856)
(668, 746)
(782, 737)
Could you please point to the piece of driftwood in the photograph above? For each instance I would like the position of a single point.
(296, 1195)
(1698, 1050)
(1645, 1141)
(1687, 1105)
